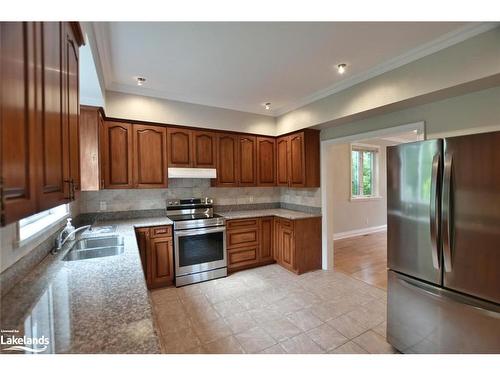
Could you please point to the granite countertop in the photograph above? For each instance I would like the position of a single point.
(279, 212)
(98, 305)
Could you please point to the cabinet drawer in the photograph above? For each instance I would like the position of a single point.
(242, 257)
(243, 237)
(165, 231)
(243, 223)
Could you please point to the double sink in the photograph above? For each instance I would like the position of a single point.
(96, 247)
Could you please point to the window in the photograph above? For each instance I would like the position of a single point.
(364, 171)
(31, 225)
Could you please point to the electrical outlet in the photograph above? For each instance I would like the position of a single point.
(102, 206)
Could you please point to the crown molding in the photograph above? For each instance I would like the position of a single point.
(426, 49)
(101, 33)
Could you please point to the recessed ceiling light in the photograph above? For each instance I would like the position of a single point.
(267, 106)
(341, 68)
(140, 81)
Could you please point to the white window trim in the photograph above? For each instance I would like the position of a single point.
(375, 184)
(37, 228)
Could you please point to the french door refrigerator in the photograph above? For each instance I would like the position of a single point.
(443, 248)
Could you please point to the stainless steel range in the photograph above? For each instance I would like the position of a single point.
(199, 240)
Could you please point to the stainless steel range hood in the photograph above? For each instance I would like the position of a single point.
(192, 173)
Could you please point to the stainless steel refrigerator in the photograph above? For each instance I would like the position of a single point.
(443, 248)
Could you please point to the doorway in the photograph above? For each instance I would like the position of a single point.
(354, 202)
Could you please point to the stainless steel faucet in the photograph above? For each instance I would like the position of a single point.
(63, 236)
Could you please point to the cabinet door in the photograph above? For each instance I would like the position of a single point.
(52, 133)
(117, 155)
(282, 165)
(287, 250)
(150, 156)
(227, 160)
(247, 150)
(266, 239)
(142, 235)
(204, 149)
(162, 261)
(72, 110)
(297, 160)
(276, 240)
(17, 116)
(89, 148)
(179, 147)
(266, 161)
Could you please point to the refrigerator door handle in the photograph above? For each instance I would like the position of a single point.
(434, 210)
(446, 217)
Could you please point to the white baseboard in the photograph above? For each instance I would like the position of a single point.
(359, 232)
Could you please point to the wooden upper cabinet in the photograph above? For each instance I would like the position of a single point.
(72, 109)
(150, 156)
(204, 149)
(282, 166)
(18, 153)
(266, 161)
(179, 147)
(52, 133)
(90, 120)
(298, 159)
(297, 163)
(117, 155)
(227, 160)
(39, 156)
(247, 150)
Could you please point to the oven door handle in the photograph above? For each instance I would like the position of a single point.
(191, 232)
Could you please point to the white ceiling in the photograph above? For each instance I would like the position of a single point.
(243, 65)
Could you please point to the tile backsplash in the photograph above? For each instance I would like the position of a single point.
(148, 199)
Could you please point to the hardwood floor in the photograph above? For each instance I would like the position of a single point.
(364, 258)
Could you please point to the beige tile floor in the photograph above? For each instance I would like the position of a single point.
(270, 310)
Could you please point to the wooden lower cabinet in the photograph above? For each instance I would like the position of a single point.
(249, 243)
(266, 239)
(162, 261)
(242, 257)
(286, 248)
(298, 244)
(294, 244)
(142, 235)
(157, 255)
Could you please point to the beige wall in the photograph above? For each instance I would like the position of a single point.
(144, 108)
(471, 60)
(351, 215)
